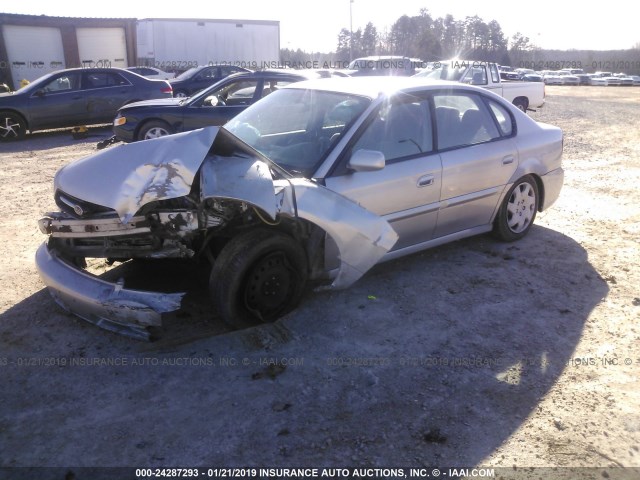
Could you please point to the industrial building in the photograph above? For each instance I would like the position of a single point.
(33, 45)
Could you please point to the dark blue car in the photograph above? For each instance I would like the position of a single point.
(78, 96)
(214, 106)
(199, 78)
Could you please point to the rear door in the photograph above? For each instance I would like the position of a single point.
(105, 92)
(406, 192)
(479, 156)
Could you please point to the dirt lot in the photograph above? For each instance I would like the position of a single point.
(475, 353)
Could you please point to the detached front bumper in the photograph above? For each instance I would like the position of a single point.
(105, 304)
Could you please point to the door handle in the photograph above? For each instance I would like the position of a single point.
(426, 180)
(509, 159)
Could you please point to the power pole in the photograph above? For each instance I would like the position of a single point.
(350, 30)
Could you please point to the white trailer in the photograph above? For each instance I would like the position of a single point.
(179, 44)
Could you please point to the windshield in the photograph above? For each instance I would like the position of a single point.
(185, 75)
(297, 128)
(444, 72)
(37, 82)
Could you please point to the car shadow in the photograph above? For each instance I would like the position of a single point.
(47, 139)
(435, 359)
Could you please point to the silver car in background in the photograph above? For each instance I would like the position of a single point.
(319, 181)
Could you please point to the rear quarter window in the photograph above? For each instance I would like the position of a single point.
(505, 122)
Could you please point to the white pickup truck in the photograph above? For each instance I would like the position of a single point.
(524, 95)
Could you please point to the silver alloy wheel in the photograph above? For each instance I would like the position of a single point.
(9, 128)
(155, 132)
(521, 207)
(180, 95)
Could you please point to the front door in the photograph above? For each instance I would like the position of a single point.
(406, 192)
(58, 103)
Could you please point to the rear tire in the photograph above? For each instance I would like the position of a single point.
(522, 104)
(259, 276)
(518, 210)
(154, 129)
(12, 126)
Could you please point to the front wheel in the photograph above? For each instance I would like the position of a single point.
(12, 126)
(259, 276)
(518, 210)
(154, 129)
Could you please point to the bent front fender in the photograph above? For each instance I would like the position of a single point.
(361, 236)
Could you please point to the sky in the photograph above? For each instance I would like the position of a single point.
(314, 26)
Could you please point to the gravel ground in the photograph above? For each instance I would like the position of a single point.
(477, 353)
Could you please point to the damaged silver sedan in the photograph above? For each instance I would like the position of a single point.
(316, 183)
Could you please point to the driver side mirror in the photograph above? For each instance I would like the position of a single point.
(40, 93)
(366, 161)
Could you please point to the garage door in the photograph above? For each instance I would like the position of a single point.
(32, 51)
(102, 47)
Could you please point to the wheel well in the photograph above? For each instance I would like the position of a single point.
(540, 190)
(523, 100)
(15, 112)
(308, 235)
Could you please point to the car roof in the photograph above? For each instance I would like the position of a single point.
(40, 80)
(92, 69)
(302, 74)
(372, 87)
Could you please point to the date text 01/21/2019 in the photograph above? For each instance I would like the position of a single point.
(612, 65)
(313, 472)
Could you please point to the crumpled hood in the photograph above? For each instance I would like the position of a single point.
(127, 177)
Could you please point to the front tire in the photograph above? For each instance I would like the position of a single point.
(12, 126)
(259, 276)
(518, 210)
(154, 129)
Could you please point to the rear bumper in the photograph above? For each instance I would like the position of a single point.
(552, 182)
(105, 304)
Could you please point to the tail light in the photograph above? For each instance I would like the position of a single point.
(167, 89)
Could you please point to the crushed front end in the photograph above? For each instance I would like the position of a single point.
(186, 196)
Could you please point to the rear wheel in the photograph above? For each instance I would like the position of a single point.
(521, 103)
(259, 276)
(154, 129)
(12, 126)
(180, 94)
(518, 210)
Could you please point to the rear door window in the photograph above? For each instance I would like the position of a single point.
(463, 119)
(103, 80)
